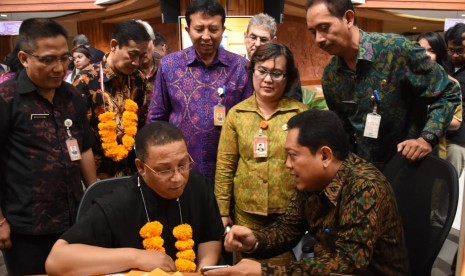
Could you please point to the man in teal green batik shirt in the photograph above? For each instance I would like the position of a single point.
(390, 95)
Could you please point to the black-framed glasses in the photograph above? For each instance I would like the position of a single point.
(170, 173)
(261, 74)
(52, 60)
(458, 51)
(262, 39)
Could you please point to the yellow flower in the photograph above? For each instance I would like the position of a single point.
(185, 265)
(184, 245)
(182, 232)
(188, 254)
(154, 243)
(107, 131)
(151, 229)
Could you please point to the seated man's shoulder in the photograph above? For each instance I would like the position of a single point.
(365, 175)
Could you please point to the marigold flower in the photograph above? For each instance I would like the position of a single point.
(184, 245)
(188, 254)
(107, 131)
(182, 232)
(185, 265)
(154, 243)
(151, 229)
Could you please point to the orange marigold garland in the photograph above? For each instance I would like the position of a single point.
(151, 233)
(107, 131)
(185, 256)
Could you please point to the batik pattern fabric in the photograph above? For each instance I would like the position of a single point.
(258, 186)
(117, 88)
(354, 220)
(185, 93)
(40, 187)
(407, 80)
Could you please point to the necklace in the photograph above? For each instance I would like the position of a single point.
(107, 127)
(151, 233)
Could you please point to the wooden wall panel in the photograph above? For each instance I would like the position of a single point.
(244, 7)
(310, 59)
(6, 46)
(370, 25)
(99, 34)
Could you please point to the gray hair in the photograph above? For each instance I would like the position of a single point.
(148, 28)
(265, 21)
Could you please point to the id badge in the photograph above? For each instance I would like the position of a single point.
(219, 114)
(73, 149)
(260, 146)
(372, 125)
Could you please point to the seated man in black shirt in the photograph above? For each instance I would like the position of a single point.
(107, 239)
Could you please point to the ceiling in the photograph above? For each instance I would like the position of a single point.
(392, 12)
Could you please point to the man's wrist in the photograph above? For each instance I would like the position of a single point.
(254, 247)
(429, 137)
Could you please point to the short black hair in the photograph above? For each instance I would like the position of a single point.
(210, 7)
(159, 38)
(454, 34)
(130, 30)
(335, 7)
(272, 50)
(35, 28)
(156, 134)
(318, 128)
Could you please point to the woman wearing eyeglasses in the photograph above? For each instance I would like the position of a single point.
(252, 185)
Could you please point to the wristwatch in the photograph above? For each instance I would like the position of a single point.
(429, 137)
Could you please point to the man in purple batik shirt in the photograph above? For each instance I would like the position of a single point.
(191, 83)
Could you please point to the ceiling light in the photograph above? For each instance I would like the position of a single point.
(414, 28)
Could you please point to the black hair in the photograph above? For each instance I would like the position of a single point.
(159, 38)
(210, 7)
(335, 7)
(454, 34)
(273, 50)
(12, 60)
(318, 128)
(130, 30)
(83, 50)
(156, 134)
(439, 47)
(34, 28)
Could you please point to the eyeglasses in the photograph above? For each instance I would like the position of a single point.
(170, 173)
(458, 51)
(261, 74)
(52, 60)
(262, 39)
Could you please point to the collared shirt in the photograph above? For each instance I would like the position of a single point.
(117, 89)
(354, 220)
(238, 172)
(185, 92)
(40, 185)
(6, 76)
(407, 80)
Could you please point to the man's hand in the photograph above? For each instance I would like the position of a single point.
(239, 239)
(148, 260)
(414, 149)
(5, 242)
(245, 267)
